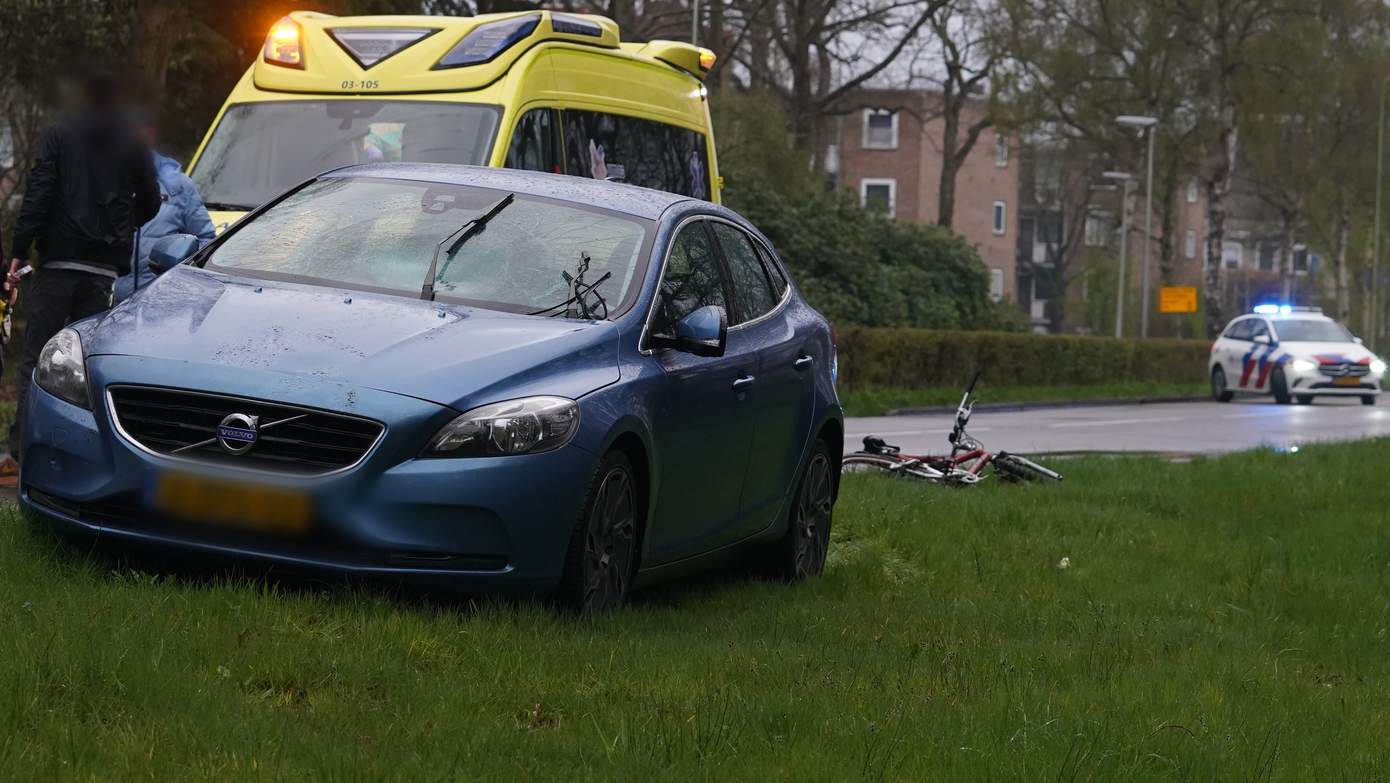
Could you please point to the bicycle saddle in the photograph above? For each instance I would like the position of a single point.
(875, 445)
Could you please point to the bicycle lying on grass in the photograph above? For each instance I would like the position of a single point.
(965, 465)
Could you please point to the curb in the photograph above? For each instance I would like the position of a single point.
(1006, 407)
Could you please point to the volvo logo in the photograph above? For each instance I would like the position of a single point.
(238, 433)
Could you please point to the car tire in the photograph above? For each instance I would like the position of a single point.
(602, 556)
(1368, 399)
(1305, 399)
(800, 553)
(1219, 392)
(1279, 385)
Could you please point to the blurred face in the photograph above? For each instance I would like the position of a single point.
(149, 134)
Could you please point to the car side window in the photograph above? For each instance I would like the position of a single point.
(774, 272)
(1258, 327)
(748, 279)
(692, 280)
(535, 143)
(1240, 330)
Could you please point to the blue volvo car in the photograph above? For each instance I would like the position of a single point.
(508, 380)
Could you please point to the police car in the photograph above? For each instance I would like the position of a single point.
(1292, 353)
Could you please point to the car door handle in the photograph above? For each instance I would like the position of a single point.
(803, 362)
(744, 383)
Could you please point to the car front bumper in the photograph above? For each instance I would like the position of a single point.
(1315, 382)
(484, 524)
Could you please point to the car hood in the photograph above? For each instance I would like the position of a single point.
(452, 355)
(1327, 353)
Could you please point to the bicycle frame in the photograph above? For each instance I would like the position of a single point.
(968, 458)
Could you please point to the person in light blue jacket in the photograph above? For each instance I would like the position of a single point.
(181, 211)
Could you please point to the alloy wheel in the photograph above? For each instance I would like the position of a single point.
(811, 524)
(609, 543)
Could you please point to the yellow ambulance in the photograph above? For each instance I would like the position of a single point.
(539, 90)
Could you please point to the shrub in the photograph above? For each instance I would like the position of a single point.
(854, 265)
(921, 358)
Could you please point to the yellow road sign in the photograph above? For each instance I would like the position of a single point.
(1177, 299)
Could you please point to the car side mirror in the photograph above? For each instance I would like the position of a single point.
(171, 251)
(1358, 341)
(1262, 339)
(703, 333)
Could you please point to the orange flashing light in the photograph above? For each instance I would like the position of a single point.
(282, 45)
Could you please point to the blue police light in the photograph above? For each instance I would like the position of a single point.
(1272, 309)
(485, 42)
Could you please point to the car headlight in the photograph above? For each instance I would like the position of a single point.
(525, 426)
(1303, 365)
(1378, 366)
(62, 371)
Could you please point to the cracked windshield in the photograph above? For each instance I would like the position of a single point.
(380, 235)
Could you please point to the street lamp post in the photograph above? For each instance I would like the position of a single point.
(695, 23)
(1120, 284)
(1374, 320)
(1146, 125)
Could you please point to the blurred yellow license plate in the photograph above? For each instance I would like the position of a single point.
(232, 503)
(1348, 381)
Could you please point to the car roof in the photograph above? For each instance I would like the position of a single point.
(1277, 317)
(616, 196)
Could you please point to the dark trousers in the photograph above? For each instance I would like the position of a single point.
(56, 298)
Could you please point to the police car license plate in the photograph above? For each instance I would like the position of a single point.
(1348, 381)
(219, 501)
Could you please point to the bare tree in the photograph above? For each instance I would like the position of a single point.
(1231, 43)
(1058, 174)
(813, 53)
(964, 37)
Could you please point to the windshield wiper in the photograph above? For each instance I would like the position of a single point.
(455, 241)
(579, 292)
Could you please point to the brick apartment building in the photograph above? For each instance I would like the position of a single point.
(887, 148)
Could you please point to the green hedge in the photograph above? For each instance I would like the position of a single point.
(925, 358)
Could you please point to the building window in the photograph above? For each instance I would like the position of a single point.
(879, 194)
(1001, 214)
(996, 284)
(1232, 253)
(1097, 226)
(1300, 259)
(1192, 191)
(1266, 258)
(1001, 150)
(1189, 245)
(880, 129)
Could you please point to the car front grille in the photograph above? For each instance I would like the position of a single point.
(1344, 370)
(289, 439)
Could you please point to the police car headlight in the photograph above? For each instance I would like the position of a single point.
(1303, 365)
(525, 426)
(62, 371)
(1377, 366)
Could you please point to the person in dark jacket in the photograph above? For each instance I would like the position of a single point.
(91, 185)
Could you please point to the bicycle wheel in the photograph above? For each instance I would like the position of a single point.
(1012, 467)
(860, 462)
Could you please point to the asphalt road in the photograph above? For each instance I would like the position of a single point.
(1170, 428)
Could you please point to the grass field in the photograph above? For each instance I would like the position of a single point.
(876, 402)
(1225, 619)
